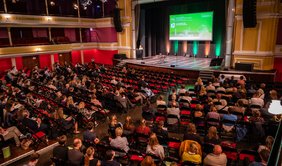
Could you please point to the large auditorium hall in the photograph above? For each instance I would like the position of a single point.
(140, 82)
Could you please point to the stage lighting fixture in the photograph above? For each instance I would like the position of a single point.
(52, 3)
(75, 6)
(85, 3)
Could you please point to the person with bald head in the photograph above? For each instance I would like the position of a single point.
(217, 158)
(74, 155)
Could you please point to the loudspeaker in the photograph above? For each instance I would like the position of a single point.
(172, 65)
(249, 13)
(120, 56)
(244, 66)
(216, 61)
(142, 62)
(117, 21)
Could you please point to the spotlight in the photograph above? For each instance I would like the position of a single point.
(48, 18)
(52, 3)
(75, 6)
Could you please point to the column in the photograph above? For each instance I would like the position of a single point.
(82, 56)
(229, 32)
(10, 36)
(52, 61)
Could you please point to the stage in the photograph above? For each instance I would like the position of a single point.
(179, 62)
(193, 67)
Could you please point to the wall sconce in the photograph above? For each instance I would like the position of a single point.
(48, 18)
(38, 49)
(7, 17)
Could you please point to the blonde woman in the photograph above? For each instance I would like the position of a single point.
(154, 147)
(212, 136)
(70, 102)
(67, 122)
(192, 155)
(268, 144)
(89, 159)
(119, 142)
(148, 161)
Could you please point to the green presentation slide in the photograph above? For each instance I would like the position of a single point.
(192, 26)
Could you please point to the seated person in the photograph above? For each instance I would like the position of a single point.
(12, 132)
(67, 122)
(75, 156)
(114, 81)
(222, 102)
(160, 100)
(35, 124)
(128, 126)
(228, 126)
(113, 125)
(213, 114)
(118, 141)
(239, 107)
(89, 159)
(256, 116)
(154, 147)
(89, 135)
(61, 151)
(216, 158)
(182, 90)
(109, 159)
(264, 155)
(160, 130)
(33, 159)
(132, 95)
(147, 92)
(268, 144)
(256, 100)
(199, 111)
(173, 110)
(148, 161)
(143, 128)
(192, 155)
(192, 134)
(185, 97)
(212, 136)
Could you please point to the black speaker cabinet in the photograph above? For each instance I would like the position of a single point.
(249, 13)
(216, 61)
(117, 21)
(244, 66)
(120, 56)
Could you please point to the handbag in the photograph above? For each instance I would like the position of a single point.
(26, 143)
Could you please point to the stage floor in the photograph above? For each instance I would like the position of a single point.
(180, 62)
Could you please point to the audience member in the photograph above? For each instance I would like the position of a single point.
(268, 144)
(192, 155)
(212, 136)
(143, 128)
(12, 132)
(217, 158)
(148, 161)
(119, 142)
(89, 159)
(61, 151)
(264, 155)
(154, 147)
(89, 135)
(75, 155)
(192, 134)
(110, 155)
(33, 159)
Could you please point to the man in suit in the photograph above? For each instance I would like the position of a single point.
(61, 151)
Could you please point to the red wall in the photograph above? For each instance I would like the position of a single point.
(45, 61)
(278, 67)
(19, 62)
(6, 64)
(75, 57)
(100, 56)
